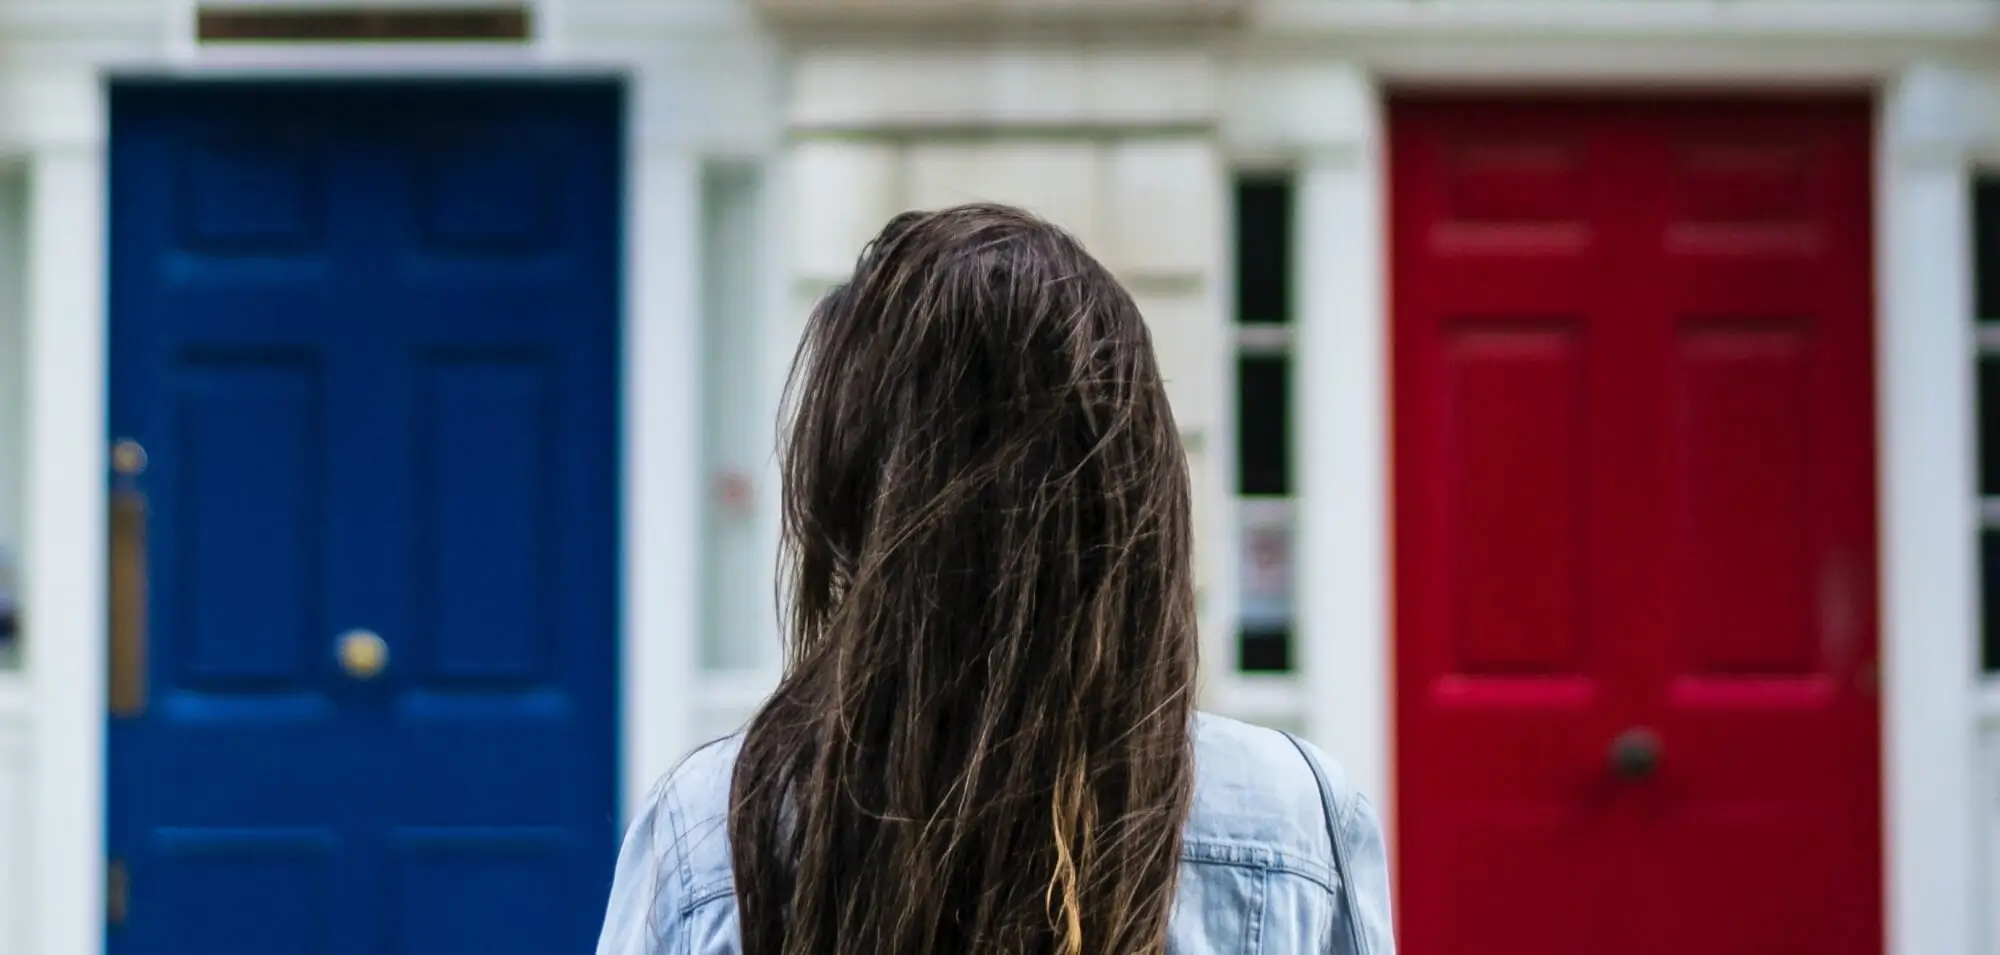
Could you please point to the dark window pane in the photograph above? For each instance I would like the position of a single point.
(1264, 649)
(1989, 598)
(1263, 424)
(1989, 424)
(1264, 249)
(1986, 246)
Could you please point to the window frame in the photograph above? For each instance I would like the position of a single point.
(1265, 337)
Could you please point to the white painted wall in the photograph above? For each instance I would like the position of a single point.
(15, 817)
(1984, 891)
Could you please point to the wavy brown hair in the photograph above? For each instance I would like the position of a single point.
(982, 740)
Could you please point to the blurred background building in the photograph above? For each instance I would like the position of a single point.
(1590, 406)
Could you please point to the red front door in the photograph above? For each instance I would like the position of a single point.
(1634, 524)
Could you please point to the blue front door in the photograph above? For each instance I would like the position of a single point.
(366, 337)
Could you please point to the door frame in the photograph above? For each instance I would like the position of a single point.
(659, 409)
(1933, 125)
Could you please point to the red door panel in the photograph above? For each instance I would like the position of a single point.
(1634, 501)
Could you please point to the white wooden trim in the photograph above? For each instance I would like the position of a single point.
(1570, 44)
(1928, 511)
(1933, 20)
(16, 790)
(1343, 543)
(63, 565)
(178, 30)
(274, 60)
(663, 494)
(15, 701)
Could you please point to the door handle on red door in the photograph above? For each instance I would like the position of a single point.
(1635, 754)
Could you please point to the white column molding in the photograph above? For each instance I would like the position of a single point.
(663, 489)
(1343, 545)
(718, 93)
(16, 789)
(63, 569)
(949, 85)
(1929, 630)
(1277, 105)
(51, 104)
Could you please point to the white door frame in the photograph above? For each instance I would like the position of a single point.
(660, 411)
(1929, 119)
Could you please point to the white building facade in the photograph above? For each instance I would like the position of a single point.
(1284, 185)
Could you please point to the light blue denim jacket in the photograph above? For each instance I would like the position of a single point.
(1269, 865)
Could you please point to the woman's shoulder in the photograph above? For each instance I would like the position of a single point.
(688, 813)
(1260, 805)
(1259, 802)
(675, 861)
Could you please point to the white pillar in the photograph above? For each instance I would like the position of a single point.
(1344, 458)
(662, 540)
(63, 570)
(1929, 629)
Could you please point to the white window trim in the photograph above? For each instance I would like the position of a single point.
(1276, 698)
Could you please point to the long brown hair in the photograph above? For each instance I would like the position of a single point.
(982, 741)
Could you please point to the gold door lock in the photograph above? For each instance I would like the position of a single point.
(362, 654)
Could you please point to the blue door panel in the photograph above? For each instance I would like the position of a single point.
(367, 334)
(291, 879)
(248, 451)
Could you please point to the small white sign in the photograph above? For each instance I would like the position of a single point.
(1264, 573)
